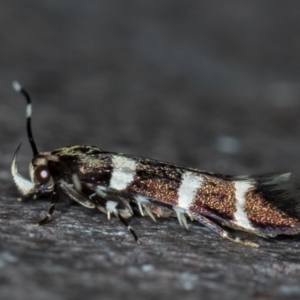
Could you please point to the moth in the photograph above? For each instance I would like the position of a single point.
(123, 185)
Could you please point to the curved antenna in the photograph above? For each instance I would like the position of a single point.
(18, 88)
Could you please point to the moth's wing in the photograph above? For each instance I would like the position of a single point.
(280, 189)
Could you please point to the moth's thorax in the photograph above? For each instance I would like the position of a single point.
(76, 151)
(90, 164)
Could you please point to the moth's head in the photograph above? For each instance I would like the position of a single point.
(41, 180)
(39, 172)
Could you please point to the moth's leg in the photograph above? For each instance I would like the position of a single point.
(130, 229)
(180, 214)
(143, 204)
(74, 192)
(220, 231)
(109, 196)
(54, 200)
(76, 196)
(111, 208)
(100, 197)
(76, 182)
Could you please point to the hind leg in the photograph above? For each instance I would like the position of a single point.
(219, 230)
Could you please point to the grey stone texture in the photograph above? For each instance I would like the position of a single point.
(207, 84)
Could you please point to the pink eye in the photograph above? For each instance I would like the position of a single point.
(42, 174)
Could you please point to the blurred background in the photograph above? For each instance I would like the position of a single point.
(207, 84)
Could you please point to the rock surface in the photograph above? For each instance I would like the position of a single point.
(212, 85)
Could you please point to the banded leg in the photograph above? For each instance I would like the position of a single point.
(54, 200)
(111, 208)
(130, 229)
(220, 231)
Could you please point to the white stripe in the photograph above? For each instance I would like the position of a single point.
(123, 172)
(17, 86)
(241, 219)
(190, 183)
(28, 111)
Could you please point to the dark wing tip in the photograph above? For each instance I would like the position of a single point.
(280, 189)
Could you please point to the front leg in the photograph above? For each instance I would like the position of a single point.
(54, 200)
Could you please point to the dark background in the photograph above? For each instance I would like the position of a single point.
(206, 84)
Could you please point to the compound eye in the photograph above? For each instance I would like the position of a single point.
(42, 174)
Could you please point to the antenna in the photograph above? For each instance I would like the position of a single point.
(18, 88)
